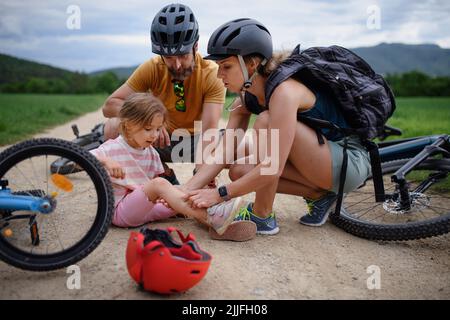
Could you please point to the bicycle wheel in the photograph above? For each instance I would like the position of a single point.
(428, 216)
(81, 214)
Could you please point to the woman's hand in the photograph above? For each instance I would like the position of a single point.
(203, 198)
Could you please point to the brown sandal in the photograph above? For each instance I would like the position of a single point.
(237, 231)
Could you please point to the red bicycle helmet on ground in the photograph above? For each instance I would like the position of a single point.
(160, 264)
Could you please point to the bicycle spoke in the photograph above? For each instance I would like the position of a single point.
(365, 212)
(33, 168)
(25, 177)
(57, 233)
(47, 172)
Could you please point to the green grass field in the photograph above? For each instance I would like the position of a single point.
(415, 116)
(422, 116)
(22, 115)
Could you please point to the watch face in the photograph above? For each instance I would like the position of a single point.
(223, 191)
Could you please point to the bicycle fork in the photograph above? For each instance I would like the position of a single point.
(10, 202)
(440, 146)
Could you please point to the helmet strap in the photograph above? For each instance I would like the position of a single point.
(248, 81)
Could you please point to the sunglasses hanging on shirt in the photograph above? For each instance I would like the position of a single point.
(178, 89)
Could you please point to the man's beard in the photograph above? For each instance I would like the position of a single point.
(183, 73)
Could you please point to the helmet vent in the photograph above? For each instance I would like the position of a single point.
(188, 35)
(163, 20)
(195, 271)
(176, 36)
(181, 9)
(232, 35)
(172, 9)
(191, 18)
(263, 28)
(163, 37)
(179, 19)
(218, 36)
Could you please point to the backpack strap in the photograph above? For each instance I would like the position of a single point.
(375, 162)
(318, 124)
(283, 72)
(343, 176)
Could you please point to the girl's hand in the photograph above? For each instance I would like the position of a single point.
(203, 198)
(114, 169)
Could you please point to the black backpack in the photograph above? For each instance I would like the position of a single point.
(366, 100)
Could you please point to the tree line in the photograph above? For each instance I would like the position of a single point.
(410, 84)
(73, 83)
(418, 84)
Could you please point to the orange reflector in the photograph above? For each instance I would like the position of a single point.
(7, 233)
(62, 182)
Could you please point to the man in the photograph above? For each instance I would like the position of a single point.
(187, 85)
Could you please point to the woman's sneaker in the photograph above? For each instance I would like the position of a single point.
(221, 215)
(318, 210)
(266, 226)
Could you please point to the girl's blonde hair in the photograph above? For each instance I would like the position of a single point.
(139, 109)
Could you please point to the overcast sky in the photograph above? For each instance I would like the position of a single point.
(115, 33)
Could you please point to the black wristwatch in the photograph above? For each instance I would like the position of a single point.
(223, 192)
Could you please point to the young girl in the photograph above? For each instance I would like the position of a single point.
(134, 165)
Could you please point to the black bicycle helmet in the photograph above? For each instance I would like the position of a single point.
(240, 37)
(174, 30)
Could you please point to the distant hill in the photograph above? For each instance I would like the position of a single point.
(13, 69)
(24, 76)
(121, 72)
(384, 58)
(399, 58)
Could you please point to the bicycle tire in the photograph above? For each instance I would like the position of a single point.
(63, 165)
(103, 217)
(400, 231)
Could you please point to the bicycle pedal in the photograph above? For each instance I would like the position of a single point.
(34, 232)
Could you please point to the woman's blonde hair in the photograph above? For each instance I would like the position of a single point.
(139, 109)
(272, 64)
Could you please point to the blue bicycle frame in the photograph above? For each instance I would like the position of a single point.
(8, 201)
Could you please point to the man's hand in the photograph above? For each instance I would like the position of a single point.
(163, 140)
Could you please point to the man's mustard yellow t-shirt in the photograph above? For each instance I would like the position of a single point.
(202, 86)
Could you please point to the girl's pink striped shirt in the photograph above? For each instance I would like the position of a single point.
(139, 165)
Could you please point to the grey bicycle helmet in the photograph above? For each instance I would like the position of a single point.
(174, 30)
(240, 37)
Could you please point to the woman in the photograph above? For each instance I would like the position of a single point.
(243, 50)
